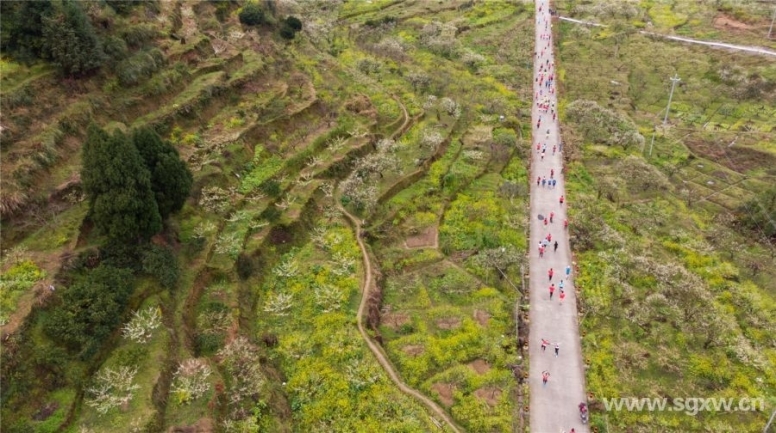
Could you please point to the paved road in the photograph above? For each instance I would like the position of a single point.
(554, 405)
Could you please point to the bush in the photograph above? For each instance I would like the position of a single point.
(90, 309)
(139, 67)
(245, 266)
(208, 344)
(287, 32)
(294, 23)
(160, 263)
(271, 214)
(252, 14)
(138, 35)
(271, 188)
(120, 255)
(71, 41)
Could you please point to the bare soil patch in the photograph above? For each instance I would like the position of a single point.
(413, 349)
(725, 22)
(445, 392)
(426, 238)
(395, 320)
(448, 323)
(737, 158)
(481, 317)
(481, 366)
(490, 394)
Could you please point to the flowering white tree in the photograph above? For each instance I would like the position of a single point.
(472, 59)
(141, 328)
(190, 380)
(112, 388)
(361, 185)
(229, 244)
(602, 125)
(214, 199)
(286, 269)
(279, 304)
(329, 298)
(390, 47)
(343, 265)
(430, 139)
(239, 359)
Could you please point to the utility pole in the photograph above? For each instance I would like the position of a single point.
(653, 141)
(772, 20)
(675, 79)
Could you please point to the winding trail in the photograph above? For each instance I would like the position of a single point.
(554, 404)
(382, 358)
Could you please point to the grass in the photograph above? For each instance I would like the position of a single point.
(636, 245)
(201, 89)
(244, 123)
(147, 358)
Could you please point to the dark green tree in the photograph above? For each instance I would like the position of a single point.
(70, 40)
(21, 28)
(91, 308)
(170, 178)
(252, 14)
(294, 23)
(118, 187)
(287, 32)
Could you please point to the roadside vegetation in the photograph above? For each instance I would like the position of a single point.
(675, 258)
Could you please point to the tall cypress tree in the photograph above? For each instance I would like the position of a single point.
(170, 178)
(71, 41)
(118, 186)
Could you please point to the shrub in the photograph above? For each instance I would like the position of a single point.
(120, 255)
(287, 32)
(245, 266)
(161, 263)
(139, 67)
(71, 41)
(757, 214)
(138, 35)
(208, 344)
(294, 23)
(90, 308)
(271, 188)
(252, 14)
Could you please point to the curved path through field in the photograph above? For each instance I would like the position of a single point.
(554, 404)
(382, 358)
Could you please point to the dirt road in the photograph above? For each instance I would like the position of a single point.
(382, 358)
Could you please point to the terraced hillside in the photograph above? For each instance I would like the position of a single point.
(351, 256)
(243, 310)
